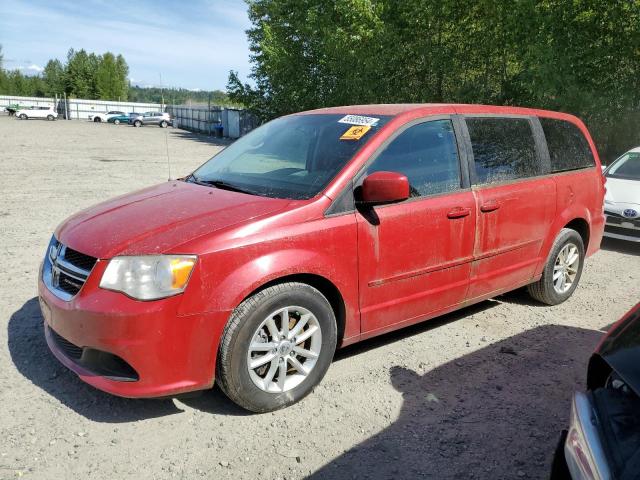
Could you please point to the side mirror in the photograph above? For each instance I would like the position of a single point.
(385, 187)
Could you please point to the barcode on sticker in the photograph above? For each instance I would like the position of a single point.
(359, 120)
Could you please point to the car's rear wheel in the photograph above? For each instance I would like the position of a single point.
(23, 116)
(116, 122)
(97, 119)
(50, 118)
(163, 124)
(562, 272)
(137, 123)
(276, 347)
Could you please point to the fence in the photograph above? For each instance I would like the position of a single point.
(196, 118)
(76, 108)
(204, 119)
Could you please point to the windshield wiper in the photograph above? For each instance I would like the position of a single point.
(221, 184)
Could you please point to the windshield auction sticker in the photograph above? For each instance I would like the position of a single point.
(359, 120)
(355, 132)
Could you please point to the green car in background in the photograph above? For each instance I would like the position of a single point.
(118, 119)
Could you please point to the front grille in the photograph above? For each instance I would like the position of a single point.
(80, 260)
(628, 232)
(615, 219)
(68, 348)
(65, 269)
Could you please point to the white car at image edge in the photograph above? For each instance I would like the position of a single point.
(103, 117)
(622, 200)
(37, 112)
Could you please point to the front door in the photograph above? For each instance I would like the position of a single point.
(415, 256)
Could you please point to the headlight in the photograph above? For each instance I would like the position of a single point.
(148, 277)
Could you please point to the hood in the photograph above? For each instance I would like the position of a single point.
(159, 218)
(620, 348)
(620, 190)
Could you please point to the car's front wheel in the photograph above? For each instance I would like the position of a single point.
(276, 347)
(163, 124)
(137, 123)
(50, 118)
(97, 119)
(562, 272)
(116, 122)
(23, 116)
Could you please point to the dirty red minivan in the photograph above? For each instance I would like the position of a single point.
(315, 231)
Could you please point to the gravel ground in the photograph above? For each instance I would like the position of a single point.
(482, 393)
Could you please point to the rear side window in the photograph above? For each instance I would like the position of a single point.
(503, 149)
(427, 154)
(568, 148)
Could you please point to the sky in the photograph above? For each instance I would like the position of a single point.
(191, 44)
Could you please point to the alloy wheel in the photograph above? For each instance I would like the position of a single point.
(565, 268)
(284, 349)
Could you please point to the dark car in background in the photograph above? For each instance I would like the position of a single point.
(122, 118)
(603, 440)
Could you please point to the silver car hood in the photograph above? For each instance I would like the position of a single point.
(621, 191)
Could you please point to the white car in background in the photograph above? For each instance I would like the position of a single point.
(103, 117)
(622, 200)
(37, 112)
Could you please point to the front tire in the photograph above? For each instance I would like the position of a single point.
(97, 119)
(163, 124)
(116, 122)
(276, 347)
(23, 116)
(50, 118)
(562, 272)
(137, 123)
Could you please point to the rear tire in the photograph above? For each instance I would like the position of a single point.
(116, 122)
(259, 320)
(562, 271)
(23, 116)
(50, 118)
(163, 124)
(137, 123)
(97, 119)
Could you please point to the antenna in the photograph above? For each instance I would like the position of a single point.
(166, 132)
(166, 143)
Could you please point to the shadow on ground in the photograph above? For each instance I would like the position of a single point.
(200, 137)
(620, 246)
(32, 358)
(495, 413)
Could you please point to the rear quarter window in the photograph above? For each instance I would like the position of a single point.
(568, 149)
(503, 149)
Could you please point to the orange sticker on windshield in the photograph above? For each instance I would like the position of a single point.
(356, 132)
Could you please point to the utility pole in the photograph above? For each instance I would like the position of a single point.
(209, 115)
(161, 94)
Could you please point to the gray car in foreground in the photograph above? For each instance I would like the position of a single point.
(603, 439)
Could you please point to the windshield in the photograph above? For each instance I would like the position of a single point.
(290, 157)
(626, 167)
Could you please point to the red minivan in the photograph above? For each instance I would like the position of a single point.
(314, 231)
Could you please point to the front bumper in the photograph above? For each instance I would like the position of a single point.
(169, 353)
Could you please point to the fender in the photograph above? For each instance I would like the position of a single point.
(326, 248)
(571, 212)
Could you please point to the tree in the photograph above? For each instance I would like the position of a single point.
(80, 74)
(579, 56)
(122, 70)
(54, 78)
(107, 77)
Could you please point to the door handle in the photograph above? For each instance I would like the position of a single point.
(459, 212)
(489, 207)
